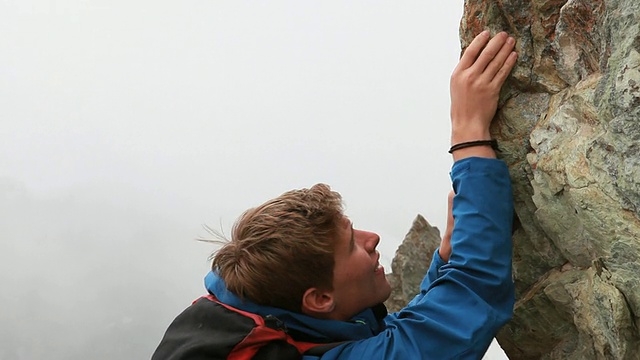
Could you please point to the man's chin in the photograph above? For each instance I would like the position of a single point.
(387, 291)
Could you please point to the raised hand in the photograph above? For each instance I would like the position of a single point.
(475, 88)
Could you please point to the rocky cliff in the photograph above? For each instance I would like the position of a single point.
(569, 129)
(411, 262)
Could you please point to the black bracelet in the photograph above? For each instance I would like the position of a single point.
(493, 143)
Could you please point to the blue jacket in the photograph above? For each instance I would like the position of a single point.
(462, 303)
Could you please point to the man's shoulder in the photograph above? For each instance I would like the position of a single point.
(210, 329)
(204, 329)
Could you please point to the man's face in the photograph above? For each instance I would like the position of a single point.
(359, 281)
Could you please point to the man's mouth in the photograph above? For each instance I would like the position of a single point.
(378, 268)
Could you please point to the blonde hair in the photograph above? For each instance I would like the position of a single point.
(283, 247)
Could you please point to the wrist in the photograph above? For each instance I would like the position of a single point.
(444, 251)
(485, 151)
(466, 135)
(467, 144)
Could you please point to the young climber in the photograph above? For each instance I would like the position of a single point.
(296, 273)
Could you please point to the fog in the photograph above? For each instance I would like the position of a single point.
(126, 126)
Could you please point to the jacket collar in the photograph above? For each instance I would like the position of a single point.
(306, 328)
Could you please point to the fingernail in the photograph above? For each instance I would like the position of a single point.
(485, 33)
(511, 40)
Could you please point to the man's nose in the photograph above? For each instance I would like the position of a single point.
(369, 240)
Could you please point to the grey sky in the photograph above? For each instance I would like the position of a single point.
(128, 124)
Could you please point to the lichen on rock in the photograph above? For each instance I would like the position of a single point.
(411, 263)
(574, 101)
(569, 128)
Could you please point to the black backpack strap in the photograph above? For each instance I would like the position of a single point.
(211, 329)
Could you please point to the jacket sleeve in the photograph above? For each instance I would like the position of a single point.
(457, 314)
(434, 270)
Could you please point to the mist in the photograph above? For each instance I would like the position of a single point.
(127, 126)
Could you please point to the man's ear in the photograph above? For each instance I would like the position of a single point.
(317, 303)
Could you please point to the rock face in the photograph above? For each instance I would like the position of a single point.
(569, 129)
(411, 262)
